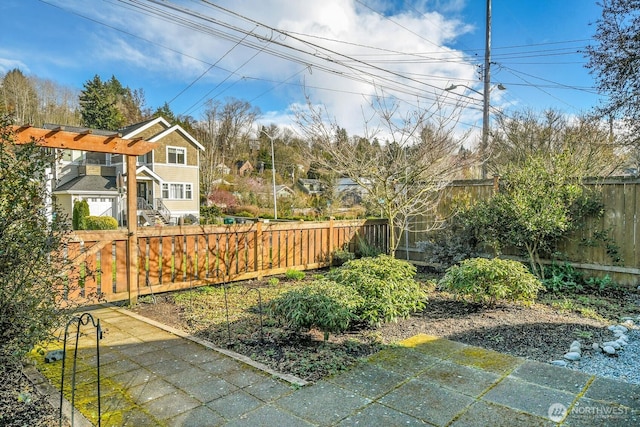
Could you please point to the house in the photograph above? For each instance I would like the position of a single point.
(311, 186)
(284, 191)
(351, 193)
(243, 167)
(167, 178)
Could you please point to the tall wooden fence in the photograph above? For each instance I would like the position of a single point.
(173, 258)
(606, 245)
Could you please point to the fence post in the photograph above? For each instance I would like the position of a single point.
(132, 226)
(330, 243)
(258, 250)
(496, 184)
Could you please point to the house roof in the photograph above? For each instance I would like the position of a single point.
(89, 183)
(133, 130)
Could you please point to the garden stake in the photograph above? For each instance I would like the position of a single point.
(81, 320)
(226, 308)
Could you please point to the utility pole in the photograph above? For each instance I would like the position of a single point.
(484, 144)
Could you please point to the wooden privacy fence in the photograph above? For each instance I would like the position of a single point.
(606, 245)
(173, 258)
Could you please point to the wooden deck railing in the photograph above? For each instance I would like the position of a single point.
(173, 258)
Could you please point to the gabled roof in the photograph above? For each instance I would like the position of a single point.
(146, 170)
(134, 130)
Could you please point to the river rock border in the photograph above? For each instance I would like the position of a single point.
(610, 348)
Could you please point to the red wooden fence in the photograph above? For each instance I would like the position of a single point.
(173, 258)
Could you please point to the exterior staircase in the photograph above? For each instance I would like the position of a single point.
(158, 215)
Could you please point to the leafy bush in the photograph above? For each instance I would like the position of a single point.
(101, 223)
(209, 214)
(80, 214)
(564, 278)
(386, 286)
(341, 256)
(30, 251)
(295, 274)
(488, 280)
(561, 278)
(323, 304)
(273, 281)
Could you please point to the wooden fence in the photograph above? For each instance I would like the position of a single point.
(174, 258)
(606, 245)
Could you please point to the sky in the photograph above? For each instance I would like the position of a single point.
(338, 54)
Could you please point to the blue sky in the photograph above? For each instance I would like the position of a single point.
(339, 52)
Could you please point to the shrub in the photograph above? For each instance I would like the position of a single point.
(561, 278)
(80, 214)
(386, 286)
(323, 304)
(488, 280)
(30, 252)
(273, 281)
(295, 274)
(101, 223)
(243, 210)
(209, 214)
(341, 256)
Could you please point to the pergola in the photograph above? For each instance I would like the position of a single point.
(87, 140)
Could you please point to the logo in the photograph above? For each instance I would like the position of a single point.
(557, 412)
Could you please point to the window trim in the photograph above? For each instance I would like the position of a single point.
(184, 155)
(187, 190)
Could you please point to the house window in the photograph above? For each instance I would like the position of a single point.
(177, 191)
(176, 155)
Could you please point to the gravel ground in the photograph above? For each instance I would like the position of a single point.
(625, 366)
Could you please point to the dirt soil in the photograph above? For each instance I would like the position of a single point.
(20, 402)
(538, 332)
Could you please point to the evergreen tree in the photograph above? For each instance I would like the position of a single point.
(98, 107)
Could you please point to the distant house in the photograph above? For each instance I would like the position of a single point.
(167, 178)
(350, 192)
(223, 169)
(284, 191)
(243, 167)
(311, 186)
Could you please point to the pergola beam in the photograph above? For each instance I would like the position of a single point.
(85, 141)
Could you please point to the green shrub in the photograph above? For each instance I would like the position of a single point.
(80, 214)
(210, 214)
(341, 256)
(488, 280)
(562, 278)
(101, 223)
(324, 305)
(273, 281)
(294, 274)
(386, 286)
(31, 253)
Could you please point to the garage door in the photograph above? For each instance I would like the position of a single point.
(101, 206)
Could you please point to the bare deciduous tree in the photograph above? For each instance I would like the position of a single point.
(525, 135)
(403, 175)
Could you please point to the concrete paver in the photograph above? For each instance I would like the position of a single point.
(157, 376)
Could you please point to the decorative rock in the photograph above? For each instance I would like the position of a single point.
(572, 356)
(575, 350)
(622, 329)
(576, 343)
(596, 346)
(629, 324)
(612, 328)
(609, 350)
(613, 344)
(559, 363)
(53, 356)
